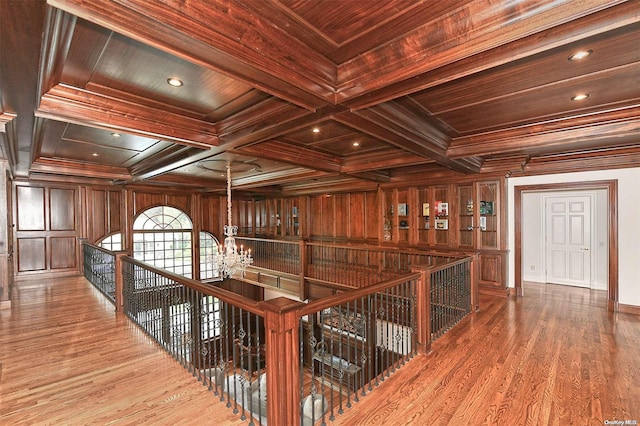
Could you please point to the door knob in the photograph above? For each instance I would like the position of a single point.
(585, 248)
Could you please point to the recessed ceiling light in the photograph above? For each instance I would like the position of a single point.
(175, 82)
(115, 135)
(95, 154)
(356, 144)
(580, 97)
(316, 130)
(580, 55)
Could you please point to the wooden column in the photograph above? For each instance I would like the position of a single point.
(475, 277)
(423, 309)
(282, 360)
(119, 282)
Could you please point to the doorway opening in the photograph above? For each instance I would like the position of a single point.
(611, 188)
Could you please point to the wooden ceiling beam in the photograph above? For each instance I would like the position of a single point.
(80, 106)
(174, 179)
(278, 125)
(8, 141)
(424, 69)
(329, 185)
(278, 178)
(299, 156)
(375, 122)
(601, 159)
(240, 44)
(588, 131)
(163, 158)
(382, 160)
(74, 168)
(372, 175)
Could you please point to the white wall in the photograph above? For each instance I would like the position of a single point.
(533, 261)
(533, 233)
(628, 223)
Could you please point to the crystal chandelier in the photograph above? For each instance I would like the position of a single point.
(230, 261)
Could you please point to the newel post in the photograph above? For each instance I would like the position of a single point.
(119, 282)
(282, 357)
(474, 273)
(423, 309)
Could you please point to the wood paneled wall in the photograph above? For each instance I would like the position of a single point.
(352, 216)
(51, 218)
(106, 213)
(47, 227)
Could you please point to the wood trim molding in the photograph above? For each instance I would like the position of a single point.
(597, 134)
(628, 309)
(612, 189)
(84, 107)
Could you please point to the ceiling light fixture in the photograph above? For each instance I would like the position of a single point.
(95, 154)
(356, 144)
(115, 135)
(230, 261)
(175, 82)
(316, 130)
(578, 56)
(580, 97)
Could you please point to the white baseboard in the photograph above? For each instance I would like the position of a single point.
(534, 279)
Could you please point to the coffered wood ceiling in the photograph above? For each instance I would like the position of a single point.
(401, 91)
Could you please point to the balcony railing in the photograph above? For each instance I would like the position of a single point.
(215, 334)
(313, 360)
(352, 342)
(99, 268)
(338, 266)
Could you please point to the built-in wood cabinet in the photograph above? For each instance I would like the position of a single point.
(271, 218)
(466, 217)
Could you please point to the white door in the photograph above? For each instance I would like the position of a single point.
(568, 240)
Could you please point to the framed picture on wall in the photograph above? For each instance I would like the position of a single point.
(402, 209)
(425, 209)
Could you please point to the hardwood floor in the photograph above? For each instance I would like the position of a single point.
(554, 357)
(68, 359)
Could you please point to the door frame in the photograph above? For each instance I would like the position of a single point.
(612, 200)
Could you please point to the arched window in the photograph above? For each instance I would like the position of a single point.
(208, 247)
(162, 238)
(112, 242)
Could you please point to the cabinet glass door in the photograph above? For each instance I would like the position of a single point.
(488, 214)
(441, 214)
(403, 217)
(388, 219)
(466, 210)
(424, 216)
